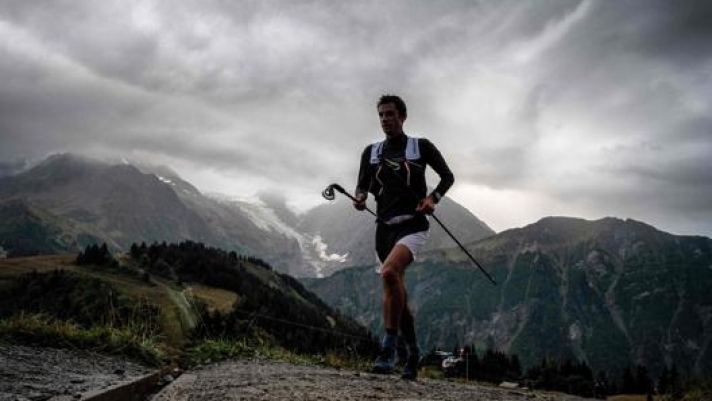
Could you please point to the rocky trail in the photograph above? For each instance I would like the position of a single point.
(34, 373)
(29, 373)
(268, 380)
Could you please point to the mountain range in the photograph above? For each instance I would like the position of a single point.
(609, 292)
(66, 201)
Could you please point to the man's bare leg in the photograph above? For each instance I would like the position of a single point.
(394, 293)
(394, 304)
(396, 313)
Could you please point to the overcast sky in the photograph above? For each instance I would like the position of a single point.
(573, 108)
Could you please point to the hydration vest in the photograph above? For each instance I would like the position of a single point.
(412, 150)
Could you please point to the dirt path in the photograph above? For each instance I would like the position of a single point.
(180, 301)
(34, 373)
(271, 381)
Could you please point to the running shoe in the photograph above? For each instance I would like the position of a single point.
(386, 361)
(410, 371)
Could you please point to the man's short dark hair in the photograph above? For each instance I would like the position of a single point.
(400, 104)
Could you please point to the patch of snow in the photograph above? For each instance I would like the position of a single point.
(313, 249)
(252, 200)
(261, 215)
(307, 247)
(574, 332)
(320, 247)
(166, 180)
(641, 296)
(266, 219)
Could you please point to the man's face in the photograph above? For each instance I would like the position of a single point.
(391, 121)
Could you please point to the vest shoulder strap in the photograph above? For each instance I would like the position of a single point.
(412, 150)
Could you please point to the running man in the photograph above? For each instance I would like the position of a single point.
(394, 172)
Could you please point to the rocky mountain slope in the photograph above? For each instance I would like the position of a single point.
(608, 292)
(118, 200)
(346, 236)
(124, 202)
(27, 230)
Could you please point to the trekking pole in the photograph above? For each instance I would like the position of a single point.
(472, 258)
(463, 248)
(328, 194)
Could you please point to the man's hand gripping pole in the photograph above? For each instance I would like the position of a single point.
(328, 194)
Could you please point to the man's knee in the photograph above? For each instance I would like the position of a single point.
(391, 275)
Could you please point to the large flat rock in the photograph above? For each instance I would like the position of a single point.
(39, 373)
(271, 381)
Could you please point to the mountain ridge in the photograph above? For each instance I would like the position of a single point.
(124, 203)
(608, 291)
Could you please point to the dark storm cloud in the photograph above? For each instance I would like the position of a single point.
(617, 78)
(597, 105)
(679, 32)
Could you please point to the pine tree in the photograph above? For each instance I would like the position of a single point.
(134, 251)
(675, 383)
(104, 251)
(601, 385)
(628, 381)
(664, 381)
(515, 368)
(642, 380)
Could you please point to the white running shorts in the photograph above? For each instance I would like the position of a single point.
(414, 242)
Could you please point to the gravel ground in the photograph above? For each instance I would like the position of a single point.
(271, 380)
(31, 373)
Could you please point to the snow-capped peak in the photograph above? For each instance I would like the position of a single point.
(259, 213)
